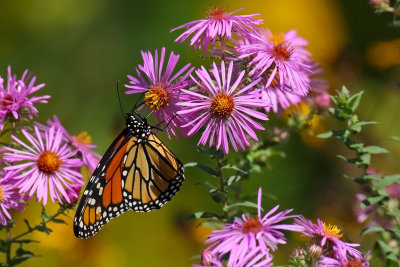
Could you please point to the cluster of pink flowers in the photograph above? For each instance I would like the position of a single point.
(257, 71)
(45, 160)
(251, 240)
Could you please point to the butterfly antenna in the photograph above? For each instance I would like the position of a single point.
(138, 103)
(119, 99)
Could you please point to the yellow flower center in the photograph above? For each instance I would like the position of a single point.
(49, 162)
(156, 98)
(282, 51)
(333, 231)
(83, 138)
(252, 226)
(276, 38)
(1, 193)
(216, 13)
(222, 105)
(275, 80)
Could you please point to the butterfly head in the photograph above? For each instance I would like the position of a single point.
(138, 126)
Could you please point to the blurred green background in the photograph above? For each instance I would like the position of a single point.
(80, 49)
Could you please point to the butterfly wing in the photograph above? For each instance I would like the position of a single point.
(152, 175)
(102, 198)
(141, 176)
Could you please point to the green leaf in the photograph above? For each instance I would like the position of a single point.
(43, 228)
(396, 232)
(354, 100)
(395, 212)
(325, 135)
(386, 180)
(376, 229)
(21, 256)
(44, 214)
(231, 167)
(59, 221)
(216, 195)
(203, 167)
(385, 248)
(235, 178)
(395, 138)
(374, 150)
(365, 159)
(247, 204)
(373, 200)
(342, 157)
(205, 215)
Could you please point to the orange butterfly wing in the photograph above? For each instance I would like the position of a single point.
(135, 173)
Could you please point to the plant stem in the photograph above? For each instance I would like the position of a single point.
(51, 218)
(219, 158)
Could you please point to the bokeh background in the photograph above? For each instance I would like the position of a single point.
(80, 49)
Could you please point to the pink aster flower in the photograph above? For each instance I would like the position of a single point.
(15, 100)
(161, 90)
(81, 142)
(352, 262)
(218, 24)
(281, 61)
(244, 236)
(224, 107)
(327, 236)
(277, 98)
(44, 165)
(10, 198)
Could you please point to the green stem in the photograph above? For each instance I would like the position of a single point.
(51, 218)
(8, 253)
(219, 158)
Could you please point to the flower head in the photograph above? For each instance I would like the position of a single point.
(15, 100)
(225, 105)
(10, 198)
(218, 24)
(351, 262)
(328, 236)
(161, 90)
(45, 165)
(247, 235)
(82, 142)
(282, 61)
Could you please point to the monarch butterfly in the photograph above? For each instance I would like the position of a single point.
(137, 172)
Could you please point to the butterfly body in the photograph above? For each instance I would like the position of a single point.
(137, 172)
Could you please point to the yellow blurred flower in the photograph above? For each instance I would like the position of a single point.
(313, 126)
(384, 54)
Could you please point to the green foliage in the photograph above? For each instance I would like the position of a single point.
(21, 254)
(377, 198)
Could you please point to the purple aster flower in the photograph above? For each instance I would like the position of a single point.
(14, 97)
(81, 142)
(352, 262)
(277, 98)
(282, 62)
(327, 236)
(226, 106)
(244, 236)
(45, 165)
(161, 90)
(10, 198)
(218, 24)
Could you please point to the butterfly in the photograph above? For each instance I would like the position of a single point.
(137, 172)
